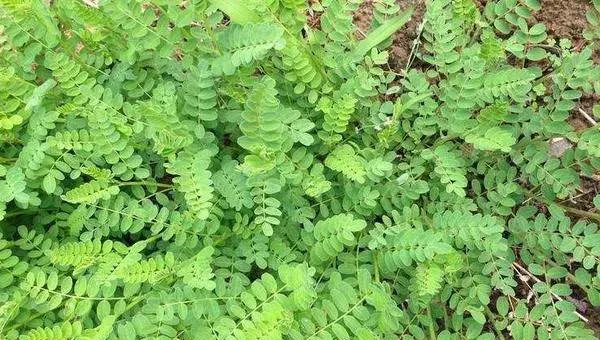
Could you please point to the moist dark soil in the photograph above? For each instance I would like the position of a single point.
(363, 16)
(565, 19)
(403, 39)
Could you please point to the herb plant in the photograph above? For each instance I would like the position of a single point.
(223, 169)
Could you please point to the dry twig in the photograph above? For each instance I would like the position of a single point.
(587, 117)
(522, 270)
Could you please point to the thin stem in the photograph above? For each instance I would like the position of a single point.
(160, 185)
(496, 329)
(82, 297)
(446, 317)
(581, 213)
(7, 160)
(571, 210)
(32, 317)
(523, 270)
(134, 303)
(569, 276)
(23, 212)
(587, 117)
(376, 266)
(359, 303)
(430, 326)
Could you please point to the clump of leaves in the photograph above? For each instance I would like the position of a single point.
(220, 169)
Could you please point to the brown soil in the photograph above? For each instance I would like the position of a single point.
(363, 17)
(578, 123)
(403, 39)
(586, 103)
(565, 19)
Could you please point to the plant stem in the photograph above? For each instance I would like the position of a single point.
(32, 317)
(582, 213)
(375, 266)
(431, 328)
(571, 210)
(569, 275)
(160, 185)
(447, 323)
(523, 270)
(23, 212)
(7, 160)
(496, 329)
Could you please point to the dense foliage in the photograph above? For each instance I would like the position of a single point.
(225, 169)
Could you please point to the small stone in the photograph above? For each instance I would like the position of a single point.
(558, 146)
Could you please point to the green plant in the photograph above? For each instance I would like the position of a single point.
(222, 169)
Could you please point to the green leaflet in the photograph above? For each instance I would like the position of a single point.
(336, 22)
(237, 11)
(243, 44)
(494, 138)
(90, 192)
(428, 279)
(262, 125)
(345, 160)
(231, 184)
(200, 97)
(337, 114)
(60, 331)
(333, 234)
(196, 271)
(194, 180)
(12, 187)
(38, 93)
